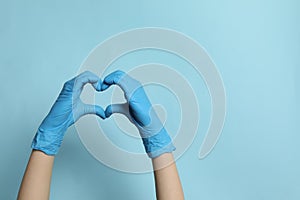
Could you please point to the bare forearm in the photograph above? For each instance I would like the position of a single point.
(167, 180)
(37, 178)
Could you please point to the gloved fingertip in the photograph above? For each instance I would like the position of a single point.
(100, 112)
(104, 86)
(101, 115)
(108, 111)
(98, 85)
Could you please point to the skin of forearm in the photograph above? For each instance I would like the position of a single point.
(37, 178)
(167, 181)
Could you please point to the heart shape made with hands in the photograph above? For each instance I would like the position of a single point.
(139, 110)
(68, 108)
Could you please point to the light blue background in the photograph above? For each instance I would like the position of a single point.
(256, 46)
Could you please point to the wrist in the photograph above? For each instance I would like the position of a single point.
(48, 141)
(158, 144)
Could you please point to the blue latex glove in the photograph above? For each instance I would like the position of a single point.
(67, 109)
(140, 112)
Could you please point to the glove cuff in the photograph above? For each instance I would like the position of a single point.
(158, 144)
(48, 142)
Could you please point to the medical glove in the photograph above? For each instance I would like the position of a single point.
(139, 111)
(67, 109)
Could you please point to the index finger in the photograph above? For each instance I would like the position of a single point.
(87, 77)
(123, 80)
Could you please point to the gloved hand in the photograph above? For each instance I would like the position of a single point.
(67, 109)
(140, 112)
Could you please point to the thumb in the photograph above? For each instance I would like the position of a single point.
(117, 108)
(91, 109)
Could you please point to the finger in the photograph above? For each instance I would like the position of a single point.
(117, 108)
(97, 86)
(123, 80)
(87, 77)
(93, 109)
(112, 78)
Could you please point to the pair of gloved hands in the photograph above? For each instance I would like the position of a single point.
(68, 108)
